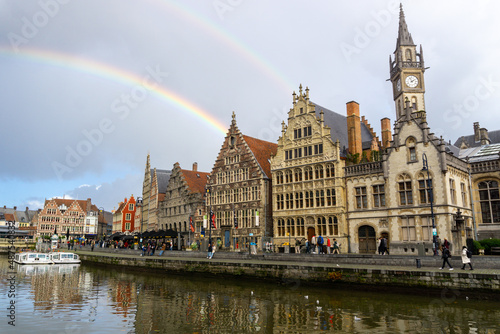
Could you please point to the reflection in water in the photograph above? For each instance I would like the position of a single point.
(86, 299)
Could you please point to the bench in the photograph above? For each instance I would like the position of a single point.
(495, 250)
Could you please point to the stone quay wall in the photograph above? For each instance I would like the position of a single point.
(320, 269)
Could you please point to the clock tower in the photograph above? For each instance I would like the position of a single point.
(407, 71)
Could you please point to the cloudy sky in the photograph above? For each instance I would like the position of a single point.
(89, 87)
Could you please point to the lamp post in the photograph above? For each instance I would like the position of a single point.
(431, 199)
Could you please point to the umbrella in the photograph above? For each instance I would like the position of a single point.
(170, 233)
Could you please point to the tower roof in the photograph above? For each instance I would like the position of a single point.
(404, 37)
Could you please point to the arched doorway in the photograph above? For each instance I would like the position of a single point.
(310, 233)
(367, 240)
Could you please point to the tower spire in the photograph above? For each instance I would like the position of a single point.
(404, 37)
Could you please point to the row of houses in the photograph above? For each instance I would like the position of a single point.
(331, 174)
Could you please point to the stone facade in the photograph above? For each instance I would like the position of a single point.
(184, 203)
(308, 184)
(240, 191)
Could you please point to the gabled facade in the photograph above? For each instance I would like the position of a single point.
(124, 216)
(239, 189)
(79, 217)
(307, 170)
(392, 198)
(184, 202)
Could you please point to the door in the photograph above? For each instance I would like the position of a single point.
(310, 233)
(367, 240)
(227, 239)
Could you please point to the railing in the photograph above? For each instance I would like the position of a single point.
(406, 64)
(362, 169)
(485, 166)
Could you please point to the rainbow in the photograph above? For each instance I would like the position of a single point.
(109, 72)
(224, 37)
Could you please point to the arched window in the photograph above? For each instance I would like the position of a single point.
(411, 149)
(405, 190)
(288, 176)
(330, 170)
(318, 170)
(279, 178)
(425, 189)
(333, 226)
(298, 175)
(489, 199)
(414, 103)
(308, 174)
(321, 226)
(408, 55)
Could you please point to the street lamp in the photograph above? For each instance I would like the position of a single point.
(431, 199)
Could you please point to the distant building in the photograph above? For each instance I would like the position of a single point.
(124, 216)
(77, 218)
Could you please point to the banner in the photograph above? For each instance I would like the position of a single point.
(213, 220)
(191, 226)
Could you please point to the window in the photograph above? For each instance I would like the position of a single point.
(378, 196)
(279, 178)
(320, 198)
(299, 200)
(281, 227)
(128, 216)
(414, 103)
(361, 201)
(298, 175)
(318, 149)
(297, 133)
(464, 194)
(288, 176)
(424, 189)
(333, 226)
(127, 226)
(308, 174)
(426, 228)
(309, 199)
(300, 227)
(289, 201)
(411, 150)
(298, 152)
(453, 192)
(318, 170)
(321, 226)
(489, 200)
(405, 191)
(408, 228)
(413, 154)
(330, 170)
(279, 202)
(331, 200)
(307, 151)
(307, 131)
(290, 227)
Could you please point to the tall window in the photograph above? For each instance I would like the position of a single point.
(289, 201)
(321, 226)
(131, 207)
(299, 200)
(320, 198)
(411, 149)
(361, 200)
(333, 226)
(128, 216)
(424, 188)
(290, 227)
(318, 170)
(426, 228)
(279, 202)
(279, 178)
(298, 175)
(378, 195)
(463, 191)
(405, 191)
(288, 176)
(331, 200)
(307, 131)
(281, 227)
(408, 228)
(453, 192)
(309, 199)
(300, 227)
(330, 170)
(489, 200)
(308, 174)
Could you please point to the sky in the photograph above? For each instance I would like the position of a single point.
(89, 88)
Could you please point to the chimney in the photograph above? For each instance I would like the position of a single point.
(195, 166)
(386, 132)
(89, 204)
(485, 140)
(15, 208)
(353, 128)
(476, 132)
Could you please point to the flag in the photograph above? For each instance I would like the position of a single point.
(213, 219)
(235, 222)
(191, 226)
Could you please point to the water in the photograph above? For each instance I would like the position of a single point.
(88, 299)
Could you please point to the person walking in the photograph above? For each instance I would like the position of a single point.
(446, 255)
(210, 253)
(313, 244)
(328, 245)
(163, 247)
(320, 242)
(336, 249)
(92, 245)
(297, 246)
(466, 256)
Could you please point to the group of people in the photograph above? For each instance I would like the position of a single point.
(446, 255)
(318, 245)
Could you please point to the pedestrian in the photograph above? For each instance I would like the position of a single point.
(69, 244)
(446, 243)
(446, 255)
(438, 245)
(210, 253)
(163, 247)
(320, 242)
(313, 244)
(466, 256)
(379, 242)
(336, 248)
(92, 246)
(297, 246)
(328, 245)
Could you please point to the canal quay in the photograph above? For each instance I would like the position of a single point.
(97, 297)
(407, 273)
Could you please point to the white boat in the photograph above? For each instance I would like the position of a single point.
(64, 258)
(32, 258)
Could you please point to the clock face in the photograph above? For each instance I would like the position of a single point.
(411, 81)
(398, 85)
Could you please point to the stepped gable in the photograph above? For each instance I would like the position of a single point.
(69, 202)
(195, 180)
(262, 151)
(338, 127)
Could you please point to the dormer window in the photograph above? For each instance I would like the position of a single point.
(411, 149)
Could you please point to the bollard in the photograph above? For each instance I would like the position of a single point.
(419, 264)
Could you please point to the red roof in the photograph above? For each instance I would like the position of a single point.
(195, 180)
(68, 202)
(262, 150)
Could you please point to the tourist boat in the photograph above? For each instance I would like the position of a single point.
(65, 258)
(32, 258)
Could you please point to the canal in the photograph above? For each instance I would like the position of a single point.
(93, 299)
